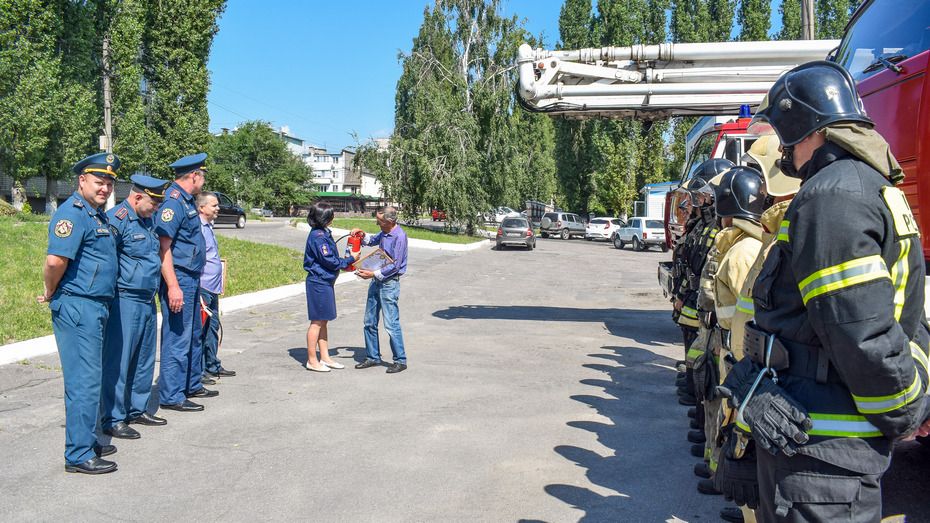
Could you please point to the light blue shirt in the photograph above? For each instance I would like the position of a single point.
(212, 277)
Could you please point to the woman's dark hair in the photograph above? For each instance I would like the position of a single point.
(320, 215)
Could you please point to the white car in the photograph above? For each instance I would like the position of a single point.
(602, 228)
(641, 233)
(502, 212)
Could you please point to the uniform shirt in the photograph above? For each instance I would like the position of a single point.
(179, 220)
(80, 232)
(212, 277)
(320, 259)
(394, 244)
(137, 250)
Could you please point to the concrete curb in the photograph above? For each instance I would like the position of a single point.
(417, 243)
(23, 350)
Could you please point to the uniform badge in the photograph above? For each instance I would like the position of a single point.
(110, 158)
(122, 213)
(324, 249)
(63, 228)
(167, 215)
(904, 223)
(175, 193)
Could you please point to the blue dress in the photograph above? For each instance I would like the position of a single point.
(322, 265)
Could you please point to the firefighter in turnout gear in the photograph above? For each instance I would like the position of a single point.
(836, 366)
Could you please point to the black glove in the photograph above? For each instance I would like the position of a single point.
(778, 422)
(700, 376)
(736, 478)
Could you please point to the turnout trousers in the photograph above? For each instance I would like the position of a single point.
(181, 364)
(129, 357)
(79, 324)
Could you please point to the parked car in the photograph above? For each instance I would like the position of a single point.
(516, 231)
(502, 212)
(602, 228)
(229, 211)
(267, 213)
(438, 215)
(561, 224)
(641, 233)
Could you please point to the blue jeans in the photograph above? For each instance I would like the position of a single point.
(211, 332)
(382, 299)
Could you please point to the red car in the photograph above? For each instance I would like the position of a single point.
(438, 215)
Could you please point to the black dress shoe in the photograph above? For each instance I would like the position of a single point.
(692, 412)
(94, 465)
(396, 367)
(207, 381)
(697, 451)
(204, 393)
(693, 423)
(223, 373)
(706, 486)
(688, 401)
(702, 470)
(104, 450)
(186, 406)
(147, 419)
(368, 364)
(696, 436)
(122, 431)
(731, 514)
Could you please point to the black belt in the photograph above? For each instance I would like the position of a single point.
(797, 359)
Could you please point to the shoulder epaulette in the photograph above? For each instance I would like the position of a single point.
(175, 193)
(122, 213)
(77, 203)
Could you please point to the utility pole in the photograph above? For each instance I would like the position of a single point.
(807, 20)
(106, 141)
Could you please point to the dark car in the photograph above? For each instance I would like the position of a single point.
(230, 212)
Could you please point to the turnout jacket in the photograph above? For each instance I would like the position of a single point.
(843, 290)
(741, 248)
(694, 254)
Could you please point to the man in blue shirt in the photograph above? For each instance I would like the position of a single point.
(211, 286)
(80, 281)
(131, 337)
(183, 255)
(384, 292)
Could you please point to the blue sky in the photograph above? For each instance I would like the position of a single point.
(326, 69)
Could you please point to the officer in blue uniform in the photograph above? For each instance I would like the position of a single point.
(80, 282)
(129, 345)
(182, 251)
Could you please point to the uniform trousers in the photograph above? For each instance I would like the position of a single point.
(79, 324)
(802, 489)
(129, 357)
(210, 337)
(181, 364)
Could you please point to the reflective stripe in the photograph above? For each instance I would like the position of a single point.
(688, 322)
(745, 305)
(713, 233)
(881, 404)
(709, 242)
(742, 426)
(843, 275)
(783, 231)
(899, 274)
(689, 312)
(842, 426)
(921, 357)
(692, 354)
(726, 312)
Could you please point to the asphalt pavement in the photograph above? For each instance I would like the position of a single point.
(540, 388)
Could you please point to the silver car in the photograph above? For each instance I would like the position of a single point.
(561, 224)
(515, 231)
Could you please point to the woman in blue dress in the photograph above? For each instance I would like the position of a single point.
(322, 264)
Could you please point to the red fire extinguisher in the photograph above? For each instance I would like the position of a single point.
(354, 246)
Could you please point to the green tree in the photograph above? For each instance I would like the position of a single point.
(721, 12)
(832, 17)
(790, 11)
(123, 22)
(754, 21)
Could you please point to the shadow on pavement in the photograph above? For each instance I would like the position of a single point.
(356, 353)
(643, 475)
(648, 327)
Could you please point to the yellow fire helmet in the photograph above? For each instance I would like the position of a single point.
(765, 152)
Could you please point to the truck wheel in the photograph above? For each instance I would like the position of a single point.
(240, 223)
(637, 245)
(618, 243)
(565, 234)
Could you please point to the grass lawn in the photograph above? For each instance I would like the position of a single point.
(251, 267)
(418, 233)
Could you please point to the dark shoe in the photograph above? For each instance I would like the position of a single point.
(706, 486)
(692, 412)
(104, 450)
(696, 436)
(702, 470)
(187, 406)
(204, 393)
(222, 373)
(693, 423)
(689, 400)
(148, 419)
(92, 466)
(732, 514)
(697, 451)
(122, 431)
(681, 382)
(394, 368)
(368, 364)
(207, 381)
